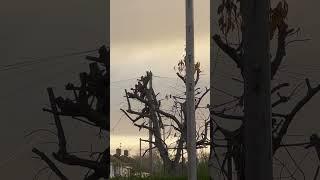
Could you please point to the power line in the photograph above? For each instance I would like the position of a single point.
(123, 80)
(41, 60)
(165, 77)
(117, 123)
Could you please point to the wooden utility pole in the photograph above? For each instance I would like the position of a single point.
(150, 132)
(211, 155)
(191, 125)
(257, 108)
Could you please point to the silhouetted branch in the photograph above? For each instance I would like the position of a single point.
(52, 166)
(279, 86)
(140, 126)
(181, 77)
(140, 115)
(174, 118)
(282, 99)
(201, 97)
(60, 132)
(297, 40)
(295, 144)
(288, 118)
(281, 49)
(231, 52)
(227, 116)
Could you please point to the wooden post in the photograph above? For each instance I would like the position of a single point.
(257, 78)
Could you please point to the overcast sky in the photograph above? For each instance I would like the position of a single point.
(150, 35)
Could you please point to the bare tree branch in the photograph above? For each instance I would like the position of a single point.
(279, 86)
(228, 50)
(181, 77)
(227, 116)
(281, 49)
(281, 100)
(201, 97)
(52, 166)
(288, 118)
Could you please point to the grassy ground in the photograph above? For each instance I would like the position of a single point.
(202, 175)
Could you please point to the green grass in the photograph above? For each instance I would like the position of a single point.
(202, 171)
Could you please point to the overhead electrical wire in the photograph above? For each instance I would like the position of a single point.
(33, 61)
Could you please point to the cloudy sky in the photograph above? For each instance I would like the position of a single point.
(150, 35)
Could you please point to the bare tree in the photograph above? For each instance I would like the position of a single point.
(173, 123)
(230, 41)
(88, 106)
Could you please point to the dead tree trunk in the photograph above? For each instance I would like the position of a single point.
(152, 110)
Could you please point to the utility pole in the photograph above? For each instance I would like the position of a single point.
(150, 132)
(211, 155)
(191, 125)
(257, 108)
